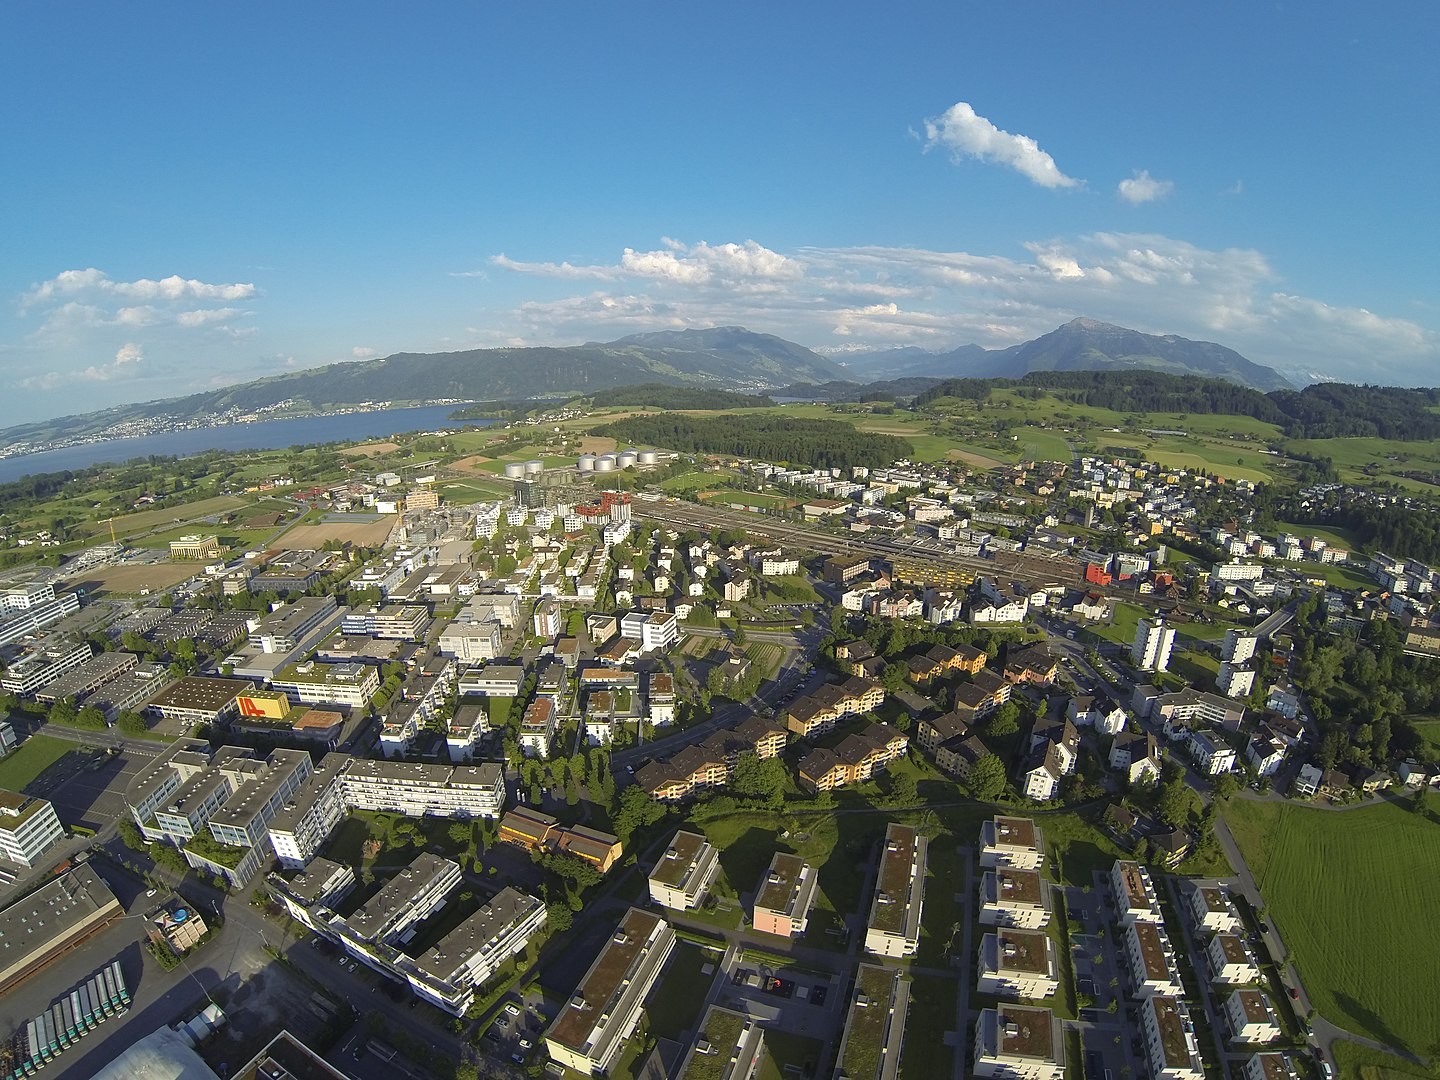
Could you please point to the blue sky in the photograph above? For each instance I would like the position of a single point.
(197, 195)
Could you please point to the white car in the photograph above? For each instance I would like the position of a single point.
(512, 1009)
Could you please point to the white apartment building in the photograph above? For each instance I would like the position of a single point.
(590, 1032)
(683, 874)
(406, 900)
(1015, 1042)
(28, 827)
(448, 974)
(1135, 898)
(893, 928)
(244, 819)
(1250, 1017)
(1019, 898)
(1237, 646)
(310, 817)
(42, 663)
(28, 609)
(1169, 1037)
(418, 789)
(310, 682)
(1151, 648)
(1018, 963)
(1151, 960)
(1015, 842)
(1213, 909)
(1231, 961)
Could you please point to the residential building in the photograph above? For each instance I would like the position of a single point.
(29, 827)
(1010, 897)
(243, 820)
(1135, 898)
(466, 958)
(1016, 1042)
(1269, 1066)
(537, 727)
(310, 816)
(295, 625)
(1168, 1035)
(392, 622)
(873, 1039)
(728, 1046)
(465, 730)
(492, 680)
(1013, 842)
(589, 1032)
(1237, 646)
(1231, 960)
(1040, 772)
(1213, 909)
(819, 712)
(406, 900)
(349, 685)
(858, 757)
(179, 926)
(418, 789)
(1018, 963)
(683, 873)
(785, 896)
(27, 609)
(1211, 756)
(1235, 680)
(1151, 648)
(531, 829)
(1250, 1017)
(893, 928)
(1137, 755)
(1151, 960)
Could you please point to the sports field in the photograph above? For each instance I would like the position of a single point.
(1352, 893)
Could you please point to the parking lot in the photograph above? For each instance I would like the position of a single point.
(87, 785)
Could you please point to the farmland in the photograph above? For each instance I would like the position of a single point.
(1349, 892)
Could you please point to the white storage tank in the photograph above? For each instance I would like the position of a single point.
(587, 463)
(605, 463)
(514, 470)
(626, 458)
(534, 467)
(649, 457)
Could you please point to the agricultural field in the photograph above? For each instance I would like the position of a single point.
(1367, 460)
(360, 533)
(693, 481)
(766, 657)
(145, 520)
(1038, 445)
(757, 500)
(1229, 461)
(133, 579)
(468, 491)
(1429, 732)
(31, 758)
(1350, 892)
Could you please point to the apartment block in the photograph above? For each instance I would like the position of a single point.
(1213, 909)
(1231, 961)
(1019, 898)
(42, 663)
(1168, 1034)
(874, 1037)
(1014, 842)
(407, 899)
(1018, 963)
(1151, 960)
(348, 685)
(728, 1046)
(448, 974)
(1015, 1042)
(1135, 899)
(893, 928)
(1269, 1066)
(785, 896)
(589, 1033)
(312, 813)
(1250, 1017)
(244, 819)
(684, 872)
(418, 789)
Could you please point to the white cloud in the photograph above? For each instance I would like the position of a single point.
(206, 316)
(1143, 188)
(129, 353)
(1237, 188)
(93, 281)
(881, 297)
(364, 352)
(966, 134)
(747, 265)
(127, 361)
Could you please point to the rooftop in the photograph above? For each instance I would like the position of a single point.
(400, 890)
(619, 961)
(1257, 1009)
(1152, 950)
(1026, 1032)
(866, 1029)
(1137, 889)
(900, 879)
(1234, 949)
(202, 693)
(781, 884)
(675, 866)
(1017, 886)
(1023, 950)
(721, 1030)
(504, 909)
(1171, 1023)
(1015, 831)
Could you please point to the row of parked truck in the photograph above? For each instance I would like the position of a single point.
(66, 1022)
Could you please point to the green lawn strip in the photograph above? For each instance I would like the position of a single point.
(788, 1056)
(1064, 1003)
(1348, 892)
(1123, 621)
(673, 1007)
(932, 1013)
(31, 758)
(1356, 1062)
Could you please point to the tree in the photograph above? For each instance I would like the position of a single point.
(130, 835)
(1174, 803)
(637, 810)
(558, 916)
(987, 778)
(754, 778)
(1005, 720)
(462, 832)
(904, 791)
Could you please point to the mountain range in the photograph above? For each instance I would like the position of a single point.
(727, 357)
(1079, 345)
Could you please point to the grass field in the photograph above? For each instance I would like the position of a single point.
(693, 481)
(1233, 462)
(1429, 732)
(1043, 446)
(1352, 893)
(363, 533)
(760, 501)
(31, 758)
(131, 524)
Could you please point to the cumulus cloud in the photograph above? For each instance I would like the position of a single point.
(746, 265)
(1143, 188)
(966, 134)
(882, 297)
(96, 282)
(129, 353)
(364, 352)
(127, 360)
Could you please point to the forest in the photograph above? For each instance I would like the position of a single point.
(665, 396)
(1320, 411)
(821, 444)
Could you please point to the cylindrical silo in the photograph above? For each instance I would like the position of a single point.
(587, 463)
(514, 470)
(648, 457)
(534, 467)
(605, 463)
(626, 458)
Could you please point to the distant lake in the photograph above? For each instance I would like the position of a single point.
(264, 435)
